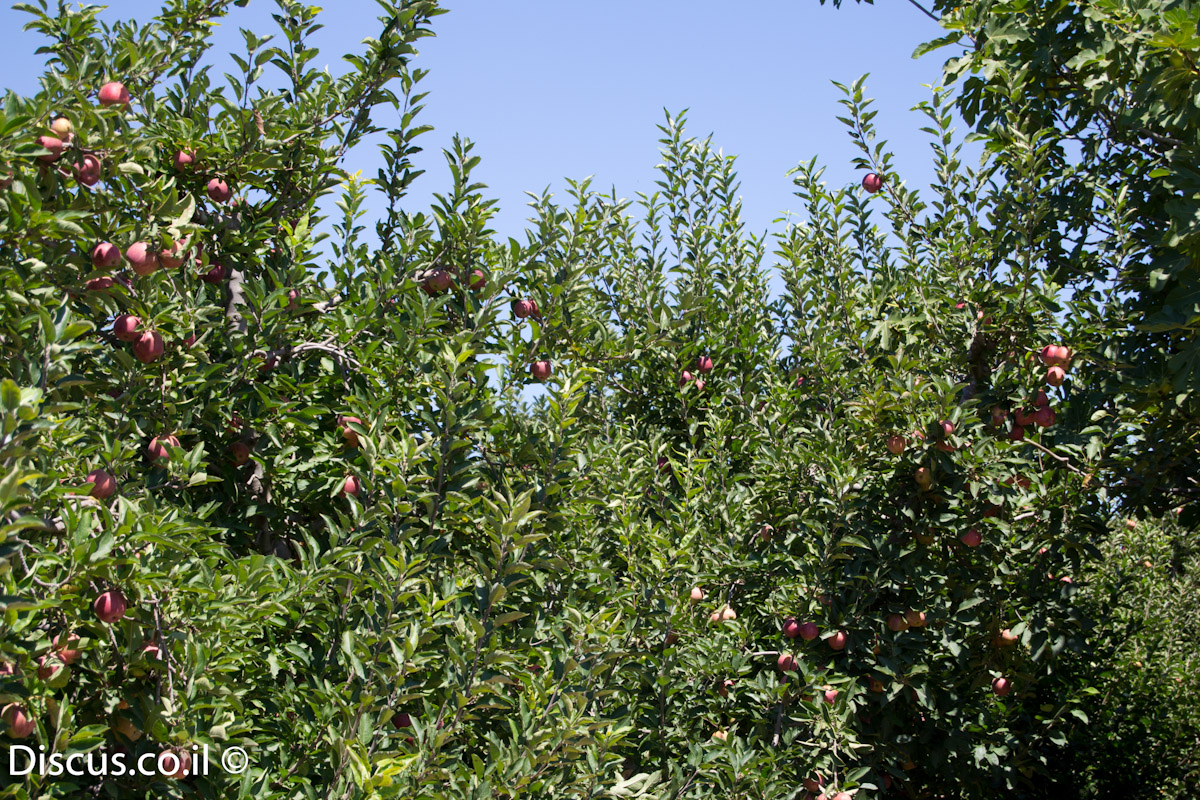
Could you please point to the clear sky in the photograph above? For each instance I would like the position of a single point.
(558, 88)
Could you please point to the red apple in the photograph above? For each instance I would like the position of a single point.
(88, 170)
(54, 145)
(724, 686)
(142, 258)
(240, 451)
(896, 444)
(809, 631)
(149, 347)
(814, 784)
(158, 447)
(348, 433)
(842, 796)
(704, 365)
(219, 191)
(1041, 400)
(352, 485)
(1001, 686)
(1054, 355)
(830, 696)
(872, 182)
(972, 538)
(114, 94)
(1006, 638)
(215, 274)
(947, 427)
(401, 720)
(175, 763)
(697, 594)
(1055, 376)
(728, 613)
(104, 485)
(19, 723)
(896, 623)
(436, 282)
(914, 618)
(183, 159)
(64, 648)
(50, 668)
(540, 370)
(100, 283)
(478, 280)
(700, 384)
(1023, 417)
(125, 327)
(1017, 433)
(786, 662)
(999, 416)
(791, 628)
(838, 640)
(1044, 417)
(106, 255)
(720, 736)
(685, 378)
(110, 606)
(764, 533)
(172, 258)
(524, 308)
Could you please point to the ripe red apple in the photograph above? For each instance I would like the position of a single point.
(791, 628)
(110, 606)
(158, 447)
(809, 631)
(814, 784)
(700, 384)
(401, 720)
(830, 696)
(1054, 355)
(914, 618)
(685, 378)
(142, 258)
(842, 796)
(1001, 686)
(1017, 434)
(216, 274)
(1023, 417)
(352, 485)
(106, 255)
(293, 297)
(923, 477)
(697, 594)
(64, 648)
(972, 538)
(999, 415)
(872, 182)
(1041, 400)
(720, 736)
(540, 370)
(947, 427)
(51, 668)
(152, 651)
(436, 282)
(348, 433)
(240, 451)
(838, 640)
(125, 327)
(1044, 417)
(715, 617)
(104, 485)
(786, 662)
(1006, 638)
(54, 145)
(1055, 376)
(7, 668)
(724, 686)
(148, 347)
(88, 170)
(183, 159)
(62, 127)
(704, 365)
(478, 280)
(175, 763)
(100, 283)
(728, 613)
(114, 94)
(896, 623)
(19, 723)
(219, 191)
(764, 533)
(173, 258)
(896, 444)
(524, 308)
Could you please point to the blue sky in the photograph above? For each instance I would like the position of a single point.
(551, 88)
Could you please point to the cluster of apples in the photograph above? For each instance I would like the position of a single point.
(703, 366)
(62, 134)
(524, 308)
